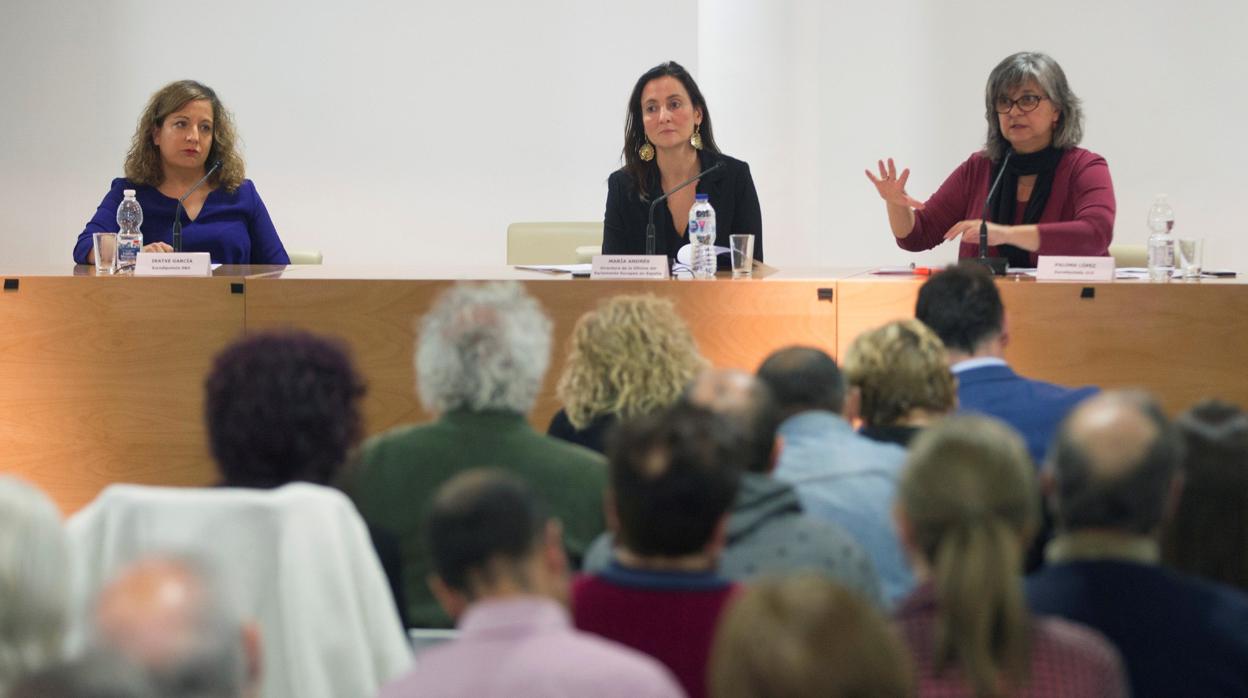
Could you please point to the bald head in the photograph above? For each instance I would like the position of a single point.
(170, 617)
(747, 408)
(1114, 460)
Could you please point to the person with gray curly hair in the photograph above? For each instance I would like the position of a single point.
(481, 354)
(34, 588)
(1053, 197)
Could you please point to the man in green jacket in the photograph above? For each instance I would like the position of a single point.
(481, 354)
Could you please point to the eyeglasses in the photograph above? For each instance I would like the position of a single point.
(1026, 103)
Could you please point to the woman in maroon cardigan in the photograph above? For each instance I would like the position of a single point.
(1054, 199)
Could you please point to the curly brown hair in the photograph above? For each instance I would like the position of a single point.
(900, 367)
(143, 163)
(630, 356)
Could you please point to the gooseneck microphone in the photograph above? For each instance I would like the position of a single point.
(996, 265)
(177, 212)
(660, 199)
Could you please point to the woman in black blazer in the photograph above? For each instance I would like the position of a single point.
(667, 140)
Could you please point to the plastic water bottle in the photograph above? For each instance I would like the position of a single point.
(1160, 242)
(129, 238)
(702, 238)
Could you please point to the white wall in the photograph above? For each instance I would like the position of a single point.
(407, 132)
(410, 131)
(811, 93)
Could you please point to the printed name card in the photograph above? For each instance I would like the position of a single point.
(173, 264)
(1053, 268)
(629, 266)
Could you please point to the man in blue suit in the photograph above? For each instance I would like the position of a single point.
(963, 308)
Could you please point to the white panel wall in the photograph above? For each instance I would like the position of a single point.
(418, 130)
(811, 93)
(411, 132)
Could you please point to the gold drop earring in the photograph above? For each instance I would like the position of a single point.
(696, 139)
(646, 152)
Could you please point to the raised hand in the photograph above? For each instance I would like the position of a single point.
(892, 188)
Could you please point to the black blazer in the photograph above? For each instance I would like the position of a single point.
(731, 191)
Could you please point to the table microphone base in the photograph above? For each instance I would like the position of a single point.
(995, 265)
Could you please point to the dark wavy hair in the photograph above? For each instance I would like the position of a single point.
(143, 163)
(646, 174)
(962, 306)
(282, 407)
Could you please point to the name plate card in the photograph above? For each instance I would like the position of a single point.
(173, 264)
(629, 266)
(1053, 268)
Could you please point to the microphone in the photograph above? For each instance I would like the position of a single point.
(660, 199)
(996, 265)
(177, 212)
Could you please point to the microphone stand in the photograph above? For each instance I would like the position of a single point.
(995, 265)
(177, 211)
(660, 199)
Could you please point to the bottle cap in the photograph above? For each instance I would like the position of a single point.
(129, 193)
(703, 197)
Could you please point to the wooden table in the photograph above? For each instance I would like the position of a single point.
(102, 377)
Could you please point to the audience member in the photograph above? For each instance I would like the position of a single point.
(499, 569)
(1208, 534)
(1114, 477)
(767, 533)
(966, 509)
(668, 500)
(34, 586)
(806, 637)
(962, 306)
(631, 356)
(841, 477)
(480, 358)
(172, 617)
(95, 675)
(899, 381)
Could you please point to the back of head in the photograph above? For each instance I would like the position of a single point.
(962, 306)
(172, 617)
(282, 407)
(34, 569)
(630, 356)
(807, 636)
(803, 378)
(672, 480)
(482, 347)
(482, 524)
(1215, 496)
(1114, 463)
(968, 495)
(899, 368)
(746, 405)
(95, 675)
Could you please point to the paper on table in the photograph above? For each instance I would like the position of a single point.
(574, 269)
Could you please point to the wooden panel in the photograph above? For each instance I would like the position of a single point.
(102, 379)
(1181, 341)
(737, 323)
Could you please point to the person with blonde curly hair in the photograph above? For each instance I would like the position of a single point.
(899, 380)
(182, 134)
(631, 356)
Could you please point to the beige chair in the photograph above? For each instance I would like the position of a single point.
(1129, 255)
(305, 256)
(553, 242)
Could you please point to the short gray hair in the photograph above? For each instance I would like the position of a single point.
(482, 347)
(34, 586)
(1015, 71)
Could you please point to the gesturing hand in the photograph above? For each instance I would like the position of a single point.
(893, 188)
(968, 230)
(158, 247)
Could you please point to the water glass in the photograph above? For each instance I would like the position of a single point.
(1190, 253)
(105, 247)
(742, 247)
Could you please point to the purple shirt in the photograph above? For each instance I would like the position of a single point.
(527, 647)
(233, 228)
(1078, 218)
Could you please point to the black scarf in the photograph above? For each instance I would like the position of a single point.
(1002, 205)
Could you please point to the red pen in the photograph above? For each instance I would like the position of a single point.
(922, 271)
